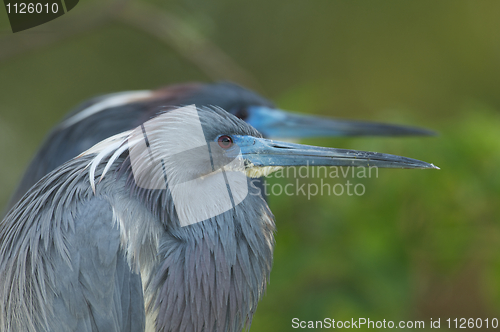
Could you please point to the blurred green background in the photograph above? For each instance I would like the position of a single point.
(419, 244)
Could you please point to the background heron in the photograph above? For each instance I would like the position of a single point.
(72, 249)
(101, 117)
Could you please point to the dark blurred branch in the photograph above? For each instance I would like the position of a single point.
(166, 27)
(69, 25)
(188, 42)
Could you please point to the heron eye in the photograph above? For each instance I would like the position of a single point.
(225, 142)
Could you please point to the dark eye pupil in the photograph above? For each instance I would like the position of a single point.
(225, 142)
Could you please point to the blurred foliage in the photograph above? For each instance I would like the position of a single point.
(417, 244)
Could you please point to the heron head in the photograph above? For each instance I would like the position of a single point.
(190, 143)
(262, 156)
(236, 145)
(204, 158)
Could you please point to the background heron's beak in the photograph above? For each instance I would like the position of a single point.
(264, 152)
(276, 123)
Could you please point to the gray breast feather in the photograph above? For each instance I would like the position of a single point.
(95, 291)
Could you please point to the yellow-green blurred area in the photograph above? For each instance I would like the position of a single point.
(419, 244)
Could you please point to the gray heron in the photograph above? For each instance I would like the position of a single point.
(156, 227)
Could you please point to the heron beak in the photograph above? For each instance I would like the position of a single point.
(276, 123)
(262, 152)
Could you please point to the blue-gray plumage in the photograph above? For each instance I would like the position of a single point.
(62, 268)
(88, 249)
(108, 115)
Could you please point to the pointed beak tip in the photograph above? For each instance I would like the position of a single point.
(429, 166)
